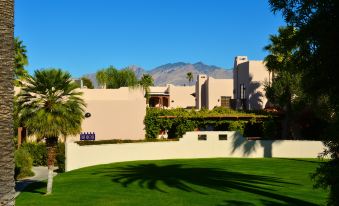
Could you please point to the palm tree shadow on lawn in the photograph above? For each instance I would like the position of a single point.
(183, 178)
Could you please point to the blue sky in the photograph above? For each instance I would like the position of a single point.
(82, 36)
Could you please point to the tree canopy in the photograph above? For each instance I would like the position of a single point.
(317, 30)
(111, 78)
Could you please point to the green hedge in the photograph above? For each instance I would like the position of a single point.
(23, 164)
(178, 121)
(38, 153)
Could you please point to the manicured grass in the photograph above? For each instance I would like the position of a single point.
(218, 181)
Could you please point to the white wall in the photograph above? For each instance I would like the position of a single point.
(188, 147)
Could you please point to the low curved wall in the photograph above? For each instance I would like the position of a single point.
(189, 147)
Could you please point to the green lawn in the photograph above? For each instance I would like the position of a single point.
(218, 181)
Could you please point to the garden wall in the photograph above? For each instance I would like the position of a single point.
(189, 146)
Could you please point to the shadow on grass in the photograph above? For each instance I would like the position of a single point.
(244, 203)
(35, 187)
(179, 177)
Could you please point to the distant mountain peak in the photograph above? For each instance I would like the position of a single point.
(175, 73)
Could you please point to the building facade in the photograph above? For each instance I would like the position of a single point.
(248, 82)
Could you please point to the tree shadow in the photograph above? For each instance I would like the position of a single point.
(249, 146)
(32, 187)
(244, 203)
(195, 179)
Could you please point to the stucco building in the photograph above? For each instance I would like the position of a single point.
(210, 92)
(249, 77)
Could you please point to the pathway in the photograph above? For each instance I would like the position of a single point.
(40, 174)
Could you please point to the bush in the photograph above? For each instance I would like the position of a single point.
(60, 157)
(38, 152)
(237, 126)
(23, 164)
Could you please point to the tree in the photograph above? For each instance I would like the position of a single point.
(111, 78)
(189, 77)
(317, 34)
(51, 107)
(21, 60)
(101, 78)
(146, 82)
(7, 64)
(87, 82)
(285, 86)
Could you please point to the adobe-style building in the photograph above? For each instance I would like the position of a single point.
(249, 77)
(210, 92)
(172, 96)
(114, 113)
(207, 93)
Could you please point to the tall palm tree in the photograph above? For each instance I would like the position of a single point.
(146, 82)
(7, 183)
(189, 76)
(285, 80)
(51, 107)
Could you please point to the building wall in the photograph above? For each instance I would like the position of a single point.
(252, 74)
(258, 75)
(200, 92)
(181, 96)
(113, 113)
(217, 88)
(189, 147)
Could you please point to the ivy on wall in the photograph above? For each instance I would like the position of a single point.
(178, 121)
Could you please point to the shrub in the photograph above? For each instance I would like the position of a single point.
(270, 129)
(237, 126)
(38, 152)
(23, 164)
(60, 157)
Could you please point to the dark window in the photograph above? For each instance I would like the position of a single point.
(202, 137)
(222, 136)
(226, 101)
(242, 91)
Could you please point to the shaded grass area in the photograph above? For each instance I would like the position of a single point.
(218, 181)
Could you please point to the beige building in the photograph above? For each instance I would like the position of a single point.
(114, 113)
(172, 96)
(210, 92)
(249, 77)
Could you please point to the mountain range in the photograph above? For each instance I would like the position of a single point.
(175, 73)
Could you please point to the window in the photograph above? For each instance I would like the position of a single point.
(202, 137)
(242, 91)
(222, 136)
(226, 101)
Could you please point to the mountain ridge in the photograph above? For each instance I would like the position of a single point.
(175, 73)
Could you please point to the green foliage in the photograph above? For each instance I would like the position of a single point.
(21, 59)
(146, 82)
(23, 163)
(87, 82)
(270, 129)
(316, 25)
(37, 151)
(111, 78)
(60, 157)
(189, 77)
(237, 126)
(49, 104)
(178, 121)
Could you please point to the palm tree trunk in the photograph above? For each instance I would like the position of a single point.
(51, 144)
(7, 191)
